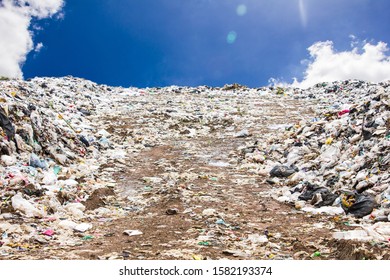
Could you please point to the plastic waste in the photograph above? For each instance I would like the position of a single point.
(49, 178)
(80, 130)
(83, 227)
(8, 160)
(48, 232)
(257, 239)
(26, 207)
(67, 224)
(132, 232)
(84, 140)
(358, 205)
(359, 235)
(343, 112)
(6, 124)
(87, 237)
(316, 254)
(75, 209)
(242, 134)
(57, 169)
(209, 212)
(379, 232)
(328, 210)
(282, 171)
(319, 196)
(36, 162)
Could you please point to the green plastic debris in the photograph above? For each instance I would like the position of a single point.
(204, 243)
(221, 222)
(88, 237)
(317, 254)
(56, 169)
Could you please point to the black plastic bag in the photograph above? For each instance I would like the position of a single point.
(84, 140)
(359, 205)
(283, 171)
(6, 124)
(311, 190)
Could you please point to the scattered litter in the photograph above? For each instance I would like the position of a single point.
(130, 232)
(69, 159)
(83, 227)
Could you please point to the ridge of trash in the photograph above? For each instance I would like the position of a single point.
(340, 157)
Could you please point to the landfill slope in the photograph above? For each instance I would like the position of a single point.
(91, 171)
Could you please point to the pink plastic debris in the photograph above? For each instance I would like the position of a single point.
(48, 232)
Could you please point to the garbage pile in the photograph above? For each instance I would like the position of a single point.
(52, 144)
(338, 161)
(63, 139)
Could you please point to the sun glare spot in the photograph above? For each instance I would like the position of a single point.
(231, 37)
(241, 10)
(302, 13)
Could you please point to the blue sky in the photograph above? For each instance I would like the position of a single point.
(186, 42)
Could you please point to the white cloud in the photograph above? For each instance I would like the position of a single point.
(16, 38)
(277, 83)
(38, 47)
(369, 63)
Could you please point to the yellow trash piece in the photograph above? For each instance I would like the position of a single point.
(329, 141)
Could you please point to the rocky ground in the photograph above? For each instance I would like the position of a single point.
(172, 173)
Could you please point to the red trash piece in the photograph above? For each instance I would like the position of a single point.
(343, 112)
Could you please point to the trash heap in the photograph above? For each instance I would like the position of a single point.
(52, 144)
(338, 161)
(63, 142)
